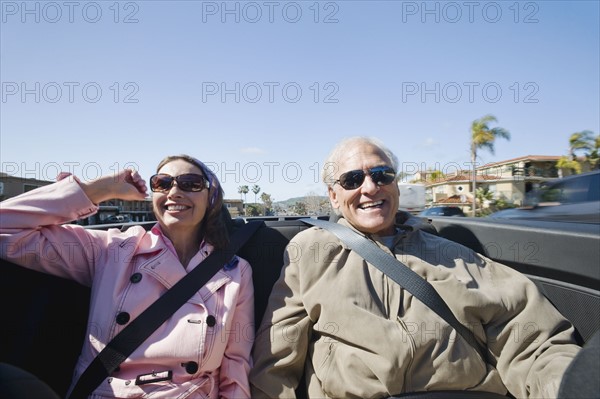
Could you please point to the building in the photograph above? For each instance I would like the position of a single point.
(121, 211)
(11, 186)
(235, 207)
(508, 180)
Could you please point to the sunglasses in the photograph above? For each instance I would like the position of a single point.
(189, 182)
(381, 175)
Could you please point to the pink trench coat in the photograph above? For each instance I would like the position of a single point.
(206, 344)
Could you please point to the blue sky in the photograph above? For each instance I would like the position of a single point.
(261, 91)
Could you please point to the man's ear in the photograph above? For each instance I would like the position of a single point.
(333, 198)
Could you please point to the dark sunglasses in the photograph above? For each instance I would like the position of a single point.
(381, 175)
(189, 182)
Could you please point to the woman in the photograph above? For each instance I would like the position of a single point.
(203, 350)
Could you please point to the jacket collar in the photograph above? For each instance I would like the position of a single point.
(402, 229)
(164, 265)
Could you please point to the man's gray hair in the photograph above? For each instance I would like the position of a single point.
(331, 169)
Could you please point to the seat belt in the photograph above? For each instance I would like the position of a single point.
(124, 343)
(401, 274)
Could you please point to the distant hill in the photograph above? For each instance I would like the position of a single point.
(291, 201)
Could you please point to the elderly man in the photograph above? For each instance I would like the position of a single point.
(355, 333)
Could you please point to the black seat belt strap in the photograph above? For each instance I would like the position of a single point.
(401, 274)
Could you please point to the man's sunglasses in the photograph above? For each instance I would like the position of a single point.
(189, 182)
(381, 175)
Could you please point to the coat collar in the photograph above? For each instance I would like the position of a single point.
(402, 230)
(163, 264)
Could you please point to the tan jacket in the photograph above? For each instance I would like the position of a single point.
(359, 335)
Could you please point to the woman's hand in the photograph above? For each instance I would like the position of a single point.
(125, 185)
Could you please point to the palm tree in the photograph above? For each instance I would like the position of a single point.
(580, 141)
(482, 136)
(567, 163)
(484, 194)
(243, 190)
(594, 156)
(255, 190)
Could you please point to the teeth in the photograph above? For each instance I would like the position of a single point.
(371, 204)
(176, 207)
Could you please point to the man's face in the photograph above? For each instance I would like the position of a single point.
(370, 208)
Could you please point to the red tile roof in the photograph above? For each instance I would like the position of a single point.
(455, 199)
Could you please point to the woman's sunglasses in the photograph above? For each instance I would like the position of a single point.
(189, 182)
(381, 175)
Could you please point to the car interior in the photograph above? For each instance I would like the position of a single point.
(45, 319)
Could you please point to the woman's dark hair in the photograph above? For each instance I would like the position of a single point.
(213, 228)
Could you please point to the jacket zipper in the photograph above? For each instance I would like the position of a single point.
(413, 349)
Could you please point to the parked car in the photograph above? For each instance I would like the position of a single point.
(117, 219)
(442, 211)
(570, 199)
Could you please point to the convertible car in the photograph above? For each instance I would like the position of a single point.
(44, 317)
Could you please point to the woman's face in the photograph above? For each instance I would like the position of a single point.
(176, 210)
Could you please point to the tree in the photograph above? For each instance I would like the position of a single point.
(434, 176)
(252, 210)
(243, 190)
(266, 199)
(483, 137)
(299, 208)
(583, 141)
(567, 163)
(312, 203)
(255, 190)
(594, 161)
(484, 194)
(580, 141)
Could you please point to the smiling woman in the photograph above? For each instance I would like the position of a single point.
(130, 270)
(185, 192)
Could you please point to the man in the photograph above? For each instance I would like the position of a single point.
(355, 333)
